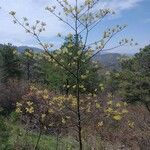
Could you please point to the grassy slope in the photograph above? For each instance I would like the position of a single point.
(20, 140)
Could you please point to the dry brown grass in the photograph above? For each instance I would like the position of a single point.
(122, 135)
(10, 93)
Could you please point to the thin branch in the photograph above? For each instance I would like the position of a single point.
(101, 48)
(63, 21)
(45, 49)
(57, 61)
(70, 108)
(86, 38)
(64, 6)
(95, 22)
(105, 44)
(91, 7)
(114, 47)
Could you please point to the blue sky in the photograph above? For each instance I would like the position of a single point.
(134, 13)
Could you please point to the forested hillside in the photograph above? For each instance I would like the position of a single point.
(69, 94)
(29, 81)
(109, 60)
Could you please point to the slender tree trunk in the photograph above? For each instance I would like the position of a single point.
(67, 89)
(39, 137)
(147, 106)
(79, 123)
(57, 141)
(28, 71)
(78, 79)
(78, 109)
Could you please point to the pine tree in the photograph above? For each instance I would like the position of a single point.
(11, 63)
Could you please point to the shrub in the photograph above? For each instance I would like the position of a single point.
(4, 135)
(10, 93)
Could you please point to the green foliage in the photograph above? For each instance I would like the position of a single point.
(50, 75)
(27, 63)
(32, 66)
(14, 136)
(113, 82)
(10, 63)
(68, 56)
(36, 68)
(109, 60)
(135, 78)
(4, 135)
(1, 63)
(56, 78)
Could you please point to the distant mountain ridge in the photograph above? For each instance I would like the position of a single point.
(22, 48)
(109, 60)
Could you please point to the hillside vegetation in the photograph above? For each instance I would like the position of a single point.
(25, 99)
(67, 96)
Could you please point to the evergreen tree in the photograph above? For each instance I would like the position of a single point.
(10, 67)
(27, 62)
(135, 78)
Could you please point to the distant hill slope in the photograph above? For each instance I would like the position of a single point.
(22, 48)
(109, 60)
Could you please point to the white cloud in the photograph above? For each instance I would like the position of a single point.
(35, 9)
(119, 5)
